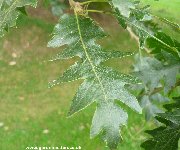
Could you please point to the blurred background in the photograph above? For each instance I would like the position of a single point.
(33, 115)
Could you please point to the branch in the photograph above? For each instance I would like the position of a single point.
(157, 90)
(134, 36)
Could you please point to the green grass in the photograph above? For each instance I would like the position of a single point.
(28, 107)
(165, 8)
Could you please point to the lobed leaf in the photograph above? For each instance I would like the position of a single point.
(10, 10)
(150, 109)
(155, 75)
(151, 71)
(165, 137)
(124, 6)
(138, 19)
(102, 84)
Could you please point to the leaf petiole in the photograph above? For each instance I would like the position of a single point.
(94, 1)
(99, 11)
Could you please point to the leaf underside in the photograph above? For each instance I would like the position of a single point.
(102, 84)
(153, 73)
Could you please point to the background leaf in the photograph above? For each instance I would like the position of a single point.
(9, 12)
(165, 137)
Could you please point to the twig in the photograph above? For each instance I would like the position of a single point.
(134, 36)
(157, 90)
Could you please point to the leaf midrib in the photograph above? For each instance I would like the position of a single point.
(157, 39)
(89, 59)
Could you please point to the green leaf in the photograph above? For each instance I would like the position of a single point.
(155, 76)
(149, 107)
(9, 12)
(174, 116)
(138, 19)
(108, 118)
(158, 46)
(151, 71)
(173, 25)
(102, 84)
(171, 106)
(120, 18)
(57, 7)
(124, 6)
(22, 10)
(165, 137)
